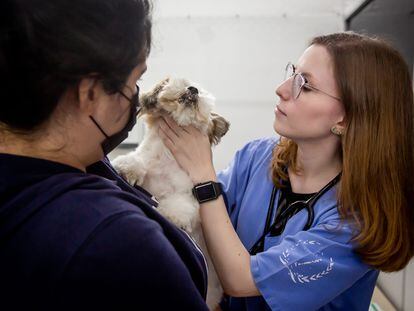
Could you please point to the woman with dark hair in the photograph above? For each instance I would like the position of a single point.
(307, 221)
(73, 234)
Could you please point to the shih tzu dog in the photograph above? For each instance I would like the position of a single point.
(153, 167)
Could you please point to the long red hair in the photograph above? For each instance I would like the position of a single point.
(376, 191)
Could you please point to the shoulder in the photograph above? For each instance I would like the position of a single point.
(260, 145)
(127, 233)
(88, 191)
(256, 151)
(257, 154)
(122, 263)
(249, 167)
(83, 203)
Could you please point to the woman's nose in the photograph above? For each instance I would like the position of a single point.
(283, 90)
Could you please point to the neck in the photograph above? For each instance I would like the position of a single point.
(47, 148)
(318, 163)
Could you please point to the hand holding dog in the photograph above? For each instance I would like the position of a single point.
(190, 148)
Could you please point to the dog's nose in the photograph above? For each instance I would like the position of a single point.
(193, 90)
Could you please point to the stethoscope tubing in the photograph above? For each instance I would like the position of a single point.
(309, 207)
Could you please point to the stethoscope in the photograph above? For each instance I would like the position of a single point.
(284, 214)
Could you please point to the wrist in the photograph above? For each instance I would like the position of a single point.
(209, 175)
(207, 191)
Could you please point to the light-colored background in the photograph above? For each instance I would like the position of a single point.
(237, 50)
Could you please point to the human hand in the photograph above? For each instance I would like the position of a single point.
(190, 148)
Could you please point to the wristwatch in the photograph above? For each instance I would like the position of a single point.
(207, 191)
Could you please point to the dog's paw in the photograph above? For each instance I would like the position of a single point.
(131, 168)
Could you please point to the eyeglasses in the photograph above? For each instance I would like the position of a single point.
(300, 82)
(134, 100)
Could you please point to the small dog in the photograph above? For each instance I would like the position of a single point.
(153, 167)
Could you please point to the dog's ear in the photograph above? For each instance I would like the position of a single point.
(149, 99)
(218, 128)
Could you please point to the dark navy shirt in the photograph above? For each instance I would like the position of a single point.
(76, 240)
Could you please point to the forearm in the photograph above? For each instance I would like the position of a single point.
(230, 257)
(192, 150)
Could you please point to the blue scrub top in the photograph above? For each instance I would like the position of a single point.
(298, 270)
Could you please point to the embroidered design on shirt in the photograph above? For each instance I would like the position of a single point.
(303, 271)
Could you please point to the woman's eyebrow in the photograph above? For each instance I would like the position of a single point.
(307, 75)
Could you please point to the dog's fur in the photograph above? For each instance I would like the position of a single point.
(153, 167)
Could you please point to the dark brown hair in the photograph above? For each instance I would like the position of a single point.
(46, 47)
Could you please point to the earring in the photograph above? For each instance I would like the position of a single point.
(336, 131)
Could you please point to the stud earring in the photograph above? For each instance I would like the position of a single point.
(336, 131)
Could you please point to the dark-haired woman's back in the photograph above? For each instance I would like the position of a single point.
(74, 240)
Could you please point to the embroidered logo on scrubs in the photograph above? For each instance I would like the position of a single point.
(304, 271)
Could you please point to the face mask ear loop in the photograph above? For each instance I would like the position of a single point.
(97, 125)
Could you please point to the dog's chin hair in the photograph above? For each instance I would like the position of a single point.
(188, 118)
(181, 119)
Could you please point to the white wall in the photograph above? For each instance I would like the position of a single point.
(237, 50)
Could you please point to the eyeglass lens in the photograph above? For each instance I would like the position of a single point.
(297, 85)
(289, 71)
(297, 82)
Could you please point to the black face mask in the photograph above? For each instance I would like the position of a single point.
(113, 141)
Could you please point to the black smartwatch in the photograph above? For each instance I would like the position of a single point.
(207, 191)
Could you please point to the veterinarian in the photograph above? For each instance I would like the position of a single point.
(306, 221)
(73, 234)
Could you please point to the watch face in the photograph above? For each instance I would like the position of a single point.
(205, 192)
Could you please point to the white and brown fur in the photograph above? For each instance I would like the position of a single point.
(153, 167)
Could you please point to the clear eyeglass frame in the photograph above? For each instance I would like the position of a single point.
(299, 82)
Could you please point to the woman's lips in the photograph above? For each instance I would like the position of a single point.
(278, 110)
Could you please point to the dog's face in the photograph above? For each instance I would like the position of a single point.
(185, 103)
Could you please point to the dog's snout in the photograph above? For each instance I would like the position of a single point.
(193, 90)
(189, 97)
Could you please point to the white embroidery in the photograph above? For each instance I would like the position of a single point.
(294, 269)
